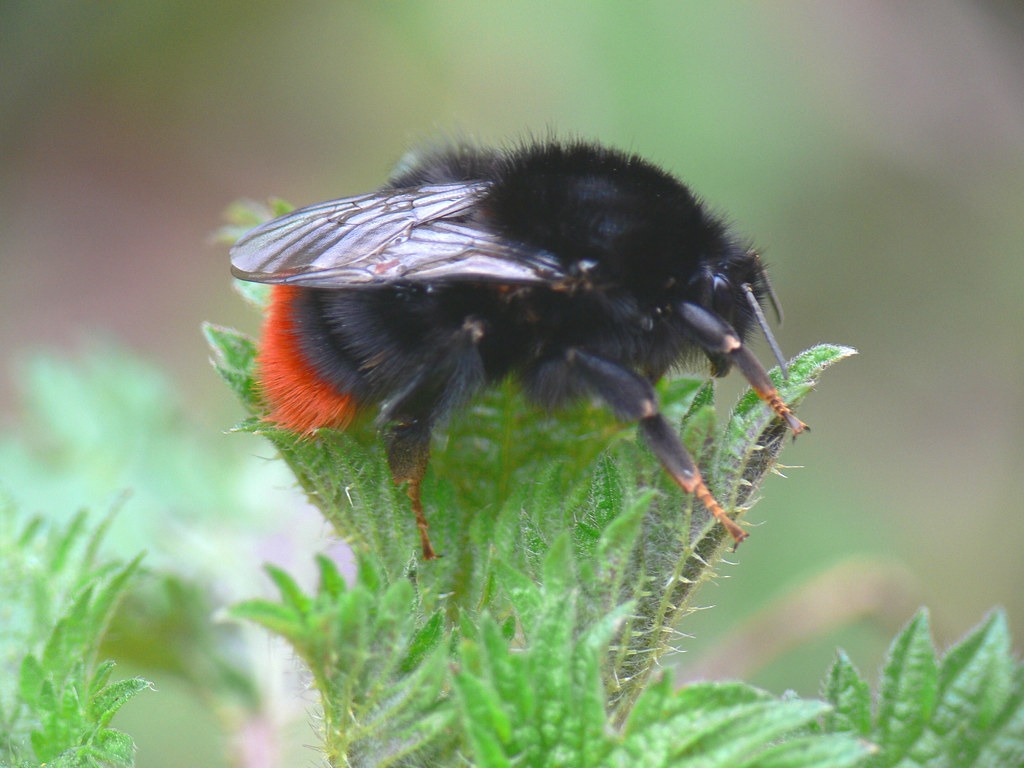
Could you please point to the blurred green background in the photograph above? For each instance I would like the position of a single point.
(874, 151)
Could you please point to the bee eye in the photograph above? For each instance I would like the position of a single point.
(723, 300)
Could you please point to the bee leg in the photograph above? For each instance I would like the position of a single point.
(718, 338)
(408, 450)
(442, 385)
(632, 398)
(666, 445)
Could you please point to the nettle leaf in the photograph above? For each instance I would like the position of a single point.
(964, 710)
(850, 696)
(539, 705)
(753, 437)
(544, 705)
(614, 530)
(378, 668)
(58, 601)
(256, 294)
(106, 702)
(277, 618)
(234, 359)
(823, 751)
(569, 558)
(728, 724)
(908, 689)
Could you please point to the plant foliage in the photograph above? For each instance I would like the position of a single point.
(965, 709)
(57, 598)
(569, 561)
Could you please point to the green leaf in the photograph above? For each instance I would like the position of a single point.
(850, 697)
(728, 725)
(488, 726)
(966, 710)
(606, 496)
(813, 752)
(100, 678)
(522, 593)
(67, 541)
(426, 639)
(60, 709)
(754, 436)
(379, 671)
(111, 698)
(256, 294)
(115, 748)
(975, 681)
(233, 350)
(279, 619)
(543, 704)
(31, 679)
(909, 685)
(1004, 742)
(558, 566)
(234, 359)
(291, 593)
(331, 581)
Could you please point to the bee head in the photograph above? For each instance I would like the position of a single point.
(735, 287)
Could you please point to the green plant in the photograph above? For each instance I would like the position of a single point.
(570, 564)
(56, 600)
(536, 639)
(965, 709)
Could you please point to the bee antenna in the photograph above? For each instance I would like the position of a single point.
(762, 275)
(765, 329)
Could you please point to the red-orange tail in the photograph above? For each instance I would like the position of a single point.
(299, 399)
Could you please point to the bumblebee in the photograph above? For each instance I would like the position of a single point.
(578, 270)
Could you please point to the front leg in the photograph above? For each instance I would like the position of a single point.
(632, 398)
(717, 337)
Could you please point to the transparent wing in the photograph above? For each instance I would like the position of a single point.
(408, 235)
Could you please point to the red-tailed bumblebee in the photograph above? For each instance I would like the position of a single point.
(579, 270)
